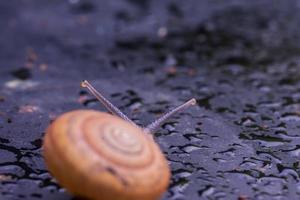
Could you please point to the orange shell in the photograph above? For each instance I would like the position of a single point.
(99, 156)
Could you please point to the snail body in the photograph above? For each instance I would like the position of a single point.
(100, 156)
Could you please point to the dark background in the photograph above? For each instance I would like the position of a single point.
(239, 59)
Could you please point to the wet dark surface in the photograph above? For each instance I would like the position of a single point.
(240, 60)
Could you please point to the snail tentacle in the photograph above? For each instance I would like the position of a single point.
(151, 128)
(106, 103)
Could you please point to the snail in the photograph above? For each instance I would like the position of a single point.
(102, 156)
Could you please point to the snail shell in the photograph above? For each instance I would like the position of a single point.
(101, 157)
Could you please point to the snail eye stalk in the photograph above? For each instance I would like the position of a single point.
(106, 103)
(151, 128)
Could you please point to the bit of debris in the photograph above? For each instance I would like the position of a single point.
(28, 109)
(162, 32)
(43, 67)
(172, 71)
(243, 197)
(20, 84)
(4, 177)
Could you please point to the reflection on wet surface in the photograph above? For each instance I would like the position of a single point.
(241, 141)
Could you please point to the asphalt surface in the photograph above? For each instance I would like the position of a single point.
(239, 59)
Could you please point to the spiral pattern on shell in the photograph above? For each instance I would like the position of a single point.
(100, 156)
